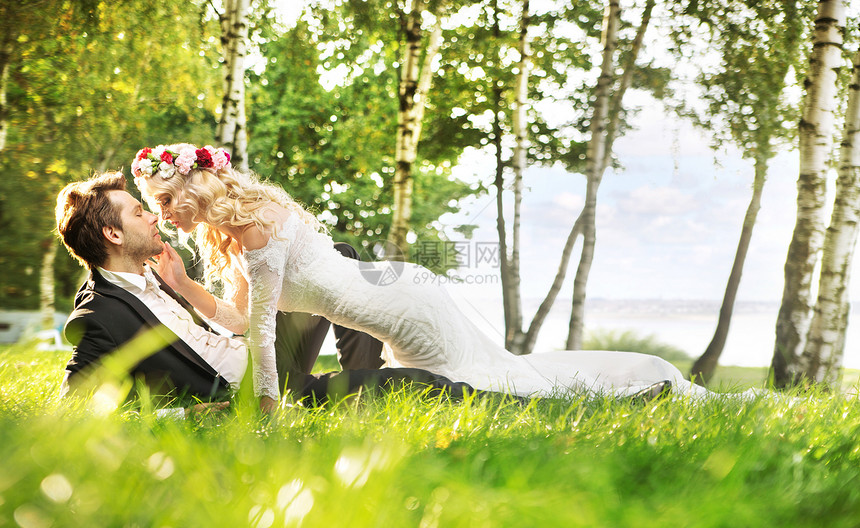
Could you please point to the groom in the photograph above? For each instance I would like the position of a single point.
(108, 231)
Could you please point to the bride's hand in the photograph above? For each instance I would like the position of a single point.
(268, 405)
(168, 264)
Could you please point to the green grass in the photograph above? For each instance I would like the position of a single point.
(403, 460)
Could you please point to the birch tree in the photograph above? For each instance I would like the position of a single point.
(821, 359)
(604, 125)
(594, 169)
(816, 129)
(46, 285)
(510, 264)
(415, 81)
(232, 132)
(758, 43)
(512, 307)
(6, 50)
(609, 92)
(517, 127)
(333, 143)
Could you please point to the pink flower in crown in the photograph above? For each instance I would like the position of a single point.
(185, 160)
(220, 159)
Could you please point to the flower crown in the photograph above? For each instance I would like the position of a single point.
(149, 161)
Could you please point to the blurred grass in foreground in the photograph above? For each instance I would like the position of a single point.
(403, 460)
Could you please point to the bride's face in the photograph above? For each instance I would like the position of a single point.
(181, 219)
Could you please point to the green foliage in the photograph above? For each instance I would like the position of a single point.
(401, 459)
(760, 43)
(332, 147)
(477, 76)
(630, 341)
(327, 148)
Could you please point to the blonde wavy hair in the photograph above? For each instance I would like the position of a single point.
(218, 197)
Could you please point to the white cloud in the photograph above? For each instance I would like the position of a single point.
(569, 201)
(656, 200)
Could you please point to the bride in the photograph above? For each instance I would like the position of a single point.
(254, 238)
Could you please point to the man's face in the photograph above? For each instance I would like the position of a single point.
(140, 237)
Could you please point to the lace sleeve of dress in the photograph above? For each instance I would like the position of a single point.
(266, 270)
(233, 314)
(230, 317)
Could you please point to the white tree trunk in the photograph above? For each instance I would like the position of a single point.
(512, 310)
(555, 288)
(415, 83)
(5, 58)
(231, 131)
(825, 343)
(615, 105)
(46, 287)
(816, 130)
(520, 129)
(594, 168)
(604, 127)
(227, 45)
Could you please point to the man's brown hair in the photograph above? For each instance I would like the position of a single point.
(84, 209)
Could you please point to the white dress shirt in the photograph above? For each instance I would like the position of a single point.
(228, 356)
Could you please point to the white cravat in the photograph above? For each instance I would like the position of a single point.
(228, 356)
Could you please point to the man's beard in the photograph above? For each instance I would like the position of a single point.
(140, 249)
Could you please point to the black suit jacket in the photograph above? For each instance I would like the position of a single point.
(105, 317)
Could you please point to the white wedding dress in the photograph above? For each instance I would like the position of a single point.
(300, 271)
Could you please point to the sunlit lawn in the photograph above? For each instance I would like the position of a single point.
(727, 378)
(405, 460)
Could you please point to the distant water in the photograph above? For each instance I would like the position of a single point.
(686, 324)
